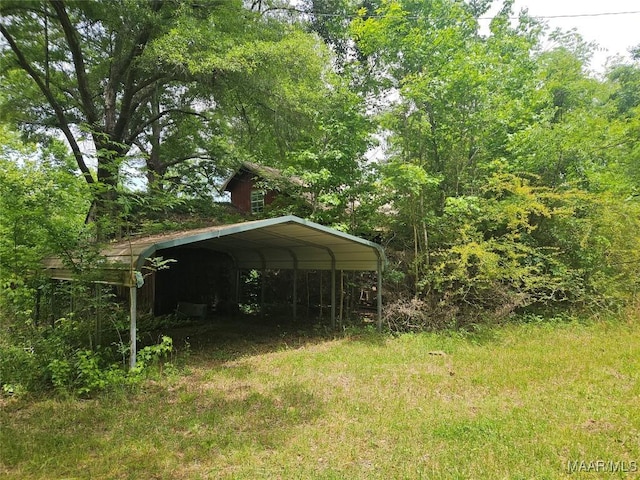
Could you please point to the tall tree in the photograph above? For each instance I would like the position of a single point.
(156, 79)
(458, 95)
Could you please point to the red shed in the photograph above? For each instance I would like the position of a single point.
(254, 186)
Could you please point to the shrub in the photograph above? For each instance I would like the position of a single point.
(18, 369)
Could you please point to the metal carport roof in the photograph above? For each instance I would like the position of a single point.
(287, 242)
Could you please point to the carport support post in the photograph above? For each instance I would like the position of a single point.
(379, 294)
(237, 285)
(133, 308)
(295, 293)
(263, 289)
(333, 293)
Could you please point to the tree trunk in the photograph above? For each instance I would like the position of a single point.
(106, 210)
(155, 167)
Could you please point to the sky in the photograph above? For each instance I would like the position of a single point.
(615, 34)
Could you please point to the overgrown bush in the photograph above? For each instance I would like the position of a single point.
(87, 372)
(79, 353)
(46, 359)
(520, 246)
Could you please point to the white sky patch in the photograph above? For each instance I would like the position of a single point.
(613, 25)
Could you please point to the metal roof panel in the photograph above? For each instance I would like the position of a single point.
(284, 242)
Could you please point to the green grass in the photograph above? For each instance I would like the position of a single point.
(515, 402)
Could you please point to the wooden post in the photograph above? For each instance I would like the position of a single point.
(38, 301)
(263, 290)
(307, 290)
(53, 304)
(321, 272)
(98, 314)
(237, 280)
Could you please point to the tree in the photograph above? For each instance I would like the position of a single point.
(625, 97)
(161, 80)
(459, 98)
(41, 212)
(505, 164)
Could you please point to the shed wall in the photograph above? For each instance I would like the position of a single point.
(241, 188)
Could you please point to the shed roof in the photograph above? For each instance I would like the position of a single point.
(267, 173)
(279, 243)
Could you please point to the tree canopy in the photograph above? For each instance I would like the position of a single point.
(164, 82)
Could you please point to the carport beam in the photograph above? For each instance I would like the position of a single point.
(133, 308)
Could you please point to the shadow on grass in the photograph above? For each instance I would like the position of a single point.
(195, 426)
(224, 339)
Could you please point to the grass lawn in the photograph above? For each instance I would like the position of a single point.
(520, 401)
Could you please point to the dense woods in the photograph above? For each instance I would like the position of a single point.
(500, 175)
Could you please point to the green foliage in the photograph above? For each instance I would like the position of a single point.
(18, 369)
(153, 355)
(493, 261)
(507, 166)
(41, 212)
(51, 336)
(187, 90)
(87, 372)
(39, 358)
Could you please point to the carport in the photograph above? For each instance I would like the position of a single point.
(287, 243)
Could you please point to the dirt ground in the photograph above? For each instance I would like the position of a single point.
(240, 334)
